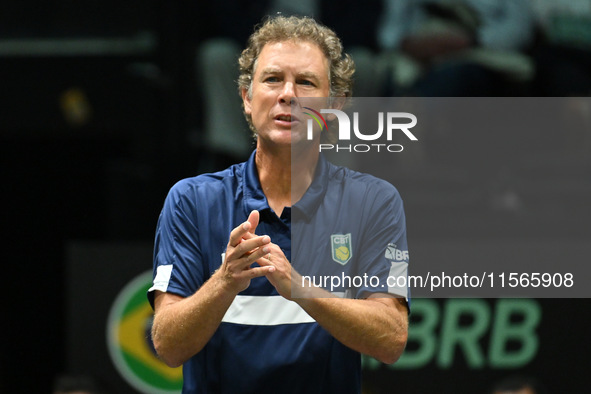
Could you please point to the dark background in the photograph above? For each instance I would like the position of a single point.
(104, 179)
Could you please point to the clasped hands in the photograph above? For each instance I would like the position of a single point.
(246, 248)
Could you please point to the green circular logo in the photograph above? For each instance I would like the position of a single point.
(130, 343)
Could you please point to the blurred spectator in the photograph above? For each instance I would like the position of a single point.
(76, 384)
(518, 385)
(463, 48)
(563, 58)
(455, 48)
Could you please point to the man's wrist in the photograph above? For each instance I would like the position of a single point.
(223, 284)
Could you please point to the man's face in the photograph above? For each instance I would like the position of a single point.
(284, 70)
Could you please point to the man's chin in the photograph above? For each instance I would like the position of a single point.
(295, 138)
(300, 144)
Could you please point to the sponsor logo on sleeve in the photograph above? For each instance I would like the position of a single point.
(394, 254)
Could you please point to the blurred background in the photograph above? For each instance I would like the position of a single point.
(105, 105)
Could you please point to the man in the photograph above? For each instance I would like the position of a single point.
(237, 326)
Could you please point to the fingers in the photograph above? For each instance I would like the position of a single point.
(248, 246)
(253, 219)
(274, 250)
(275, 257)
(245, 230)
(260, 271)
(280, 272)
(265, 260)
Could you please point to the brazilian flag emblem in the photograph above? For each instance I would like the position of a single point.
(341, 248)
(130, 343)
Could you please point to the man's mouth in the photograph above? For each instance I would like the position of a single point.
(286, 118)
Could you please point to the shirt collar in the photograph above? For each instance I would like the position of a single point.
(311, 200)
(254, 198)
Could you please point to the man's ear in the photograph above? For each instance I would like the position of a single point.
(336, 103)
(246, 100)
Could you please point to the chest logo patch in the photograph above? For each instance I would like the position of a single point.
(341, 248)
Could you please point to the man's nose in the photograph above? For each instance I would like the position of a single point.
(287, 93)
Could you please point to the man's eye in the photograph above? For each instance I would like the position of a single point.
(306, 82)
(271, 79)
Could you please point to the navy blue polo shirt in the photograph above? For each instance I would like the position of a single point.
(347, 224)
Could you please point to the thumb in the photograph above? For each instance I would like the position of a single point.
(253, 219)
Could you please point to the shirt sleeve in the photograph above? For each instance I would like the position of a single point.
(384, 256)
(178, 267)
